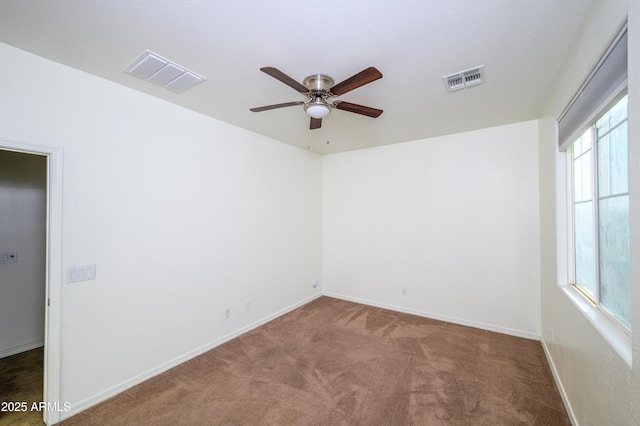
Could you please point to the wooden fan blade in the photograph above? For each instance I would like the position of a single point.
(316, 123)
(279, 75)
(268, 107)
(360, 79)
(359, 109)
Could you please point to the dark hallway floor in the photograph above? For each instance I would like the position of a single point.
(21, 381)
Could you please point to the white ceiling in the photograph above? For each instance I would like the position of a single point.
(522, 45)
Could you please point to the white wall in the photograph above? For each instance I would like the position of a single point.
(23, 205)
(453, 219)
(182, 214)
(598, 385)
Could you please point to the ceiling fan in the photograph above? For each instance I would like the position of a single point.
(319, 89)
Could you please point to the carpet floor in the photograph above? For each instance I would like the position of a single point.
(332, 362)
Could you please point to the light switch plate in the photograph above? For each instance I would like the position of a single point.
(81, 273)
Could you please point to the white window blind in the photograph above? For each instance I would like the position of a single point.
(602, 85)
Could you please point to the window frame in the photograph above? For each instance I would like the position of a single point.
(607, 80)
(593, 301)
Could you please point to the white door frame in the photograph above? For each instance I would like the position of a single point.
(54, 271)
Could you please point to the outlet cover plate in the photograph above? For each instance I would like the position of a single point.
(10, 257)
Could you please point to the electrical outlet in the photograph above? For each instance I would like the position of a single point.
(227, 313)
(8, 258)
(405, 291)
(247, 305)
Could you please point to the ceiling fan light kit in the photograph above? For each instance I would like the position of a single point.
(319, 88)
(317, 109)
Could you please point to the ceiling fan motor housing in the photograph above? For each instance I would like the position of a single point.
(318, 83)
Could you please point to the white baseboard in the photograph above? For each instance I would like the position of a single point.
(459, 321)
(22, 348)
(556, 378)
(113, 391)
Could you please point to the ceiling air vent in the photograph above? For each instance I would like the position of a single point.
(158, 70)
(463, 79)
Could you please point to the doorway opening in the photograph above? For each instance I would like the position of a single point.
(30, 260)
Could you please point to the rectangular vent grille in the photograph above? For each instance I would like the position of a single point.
(462, 79)
(161, 71)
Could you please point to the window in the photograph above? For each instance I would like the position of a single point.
(600, 198)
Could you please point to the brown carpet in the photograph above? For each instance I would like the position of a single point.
(21, 380)
(333, 362)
